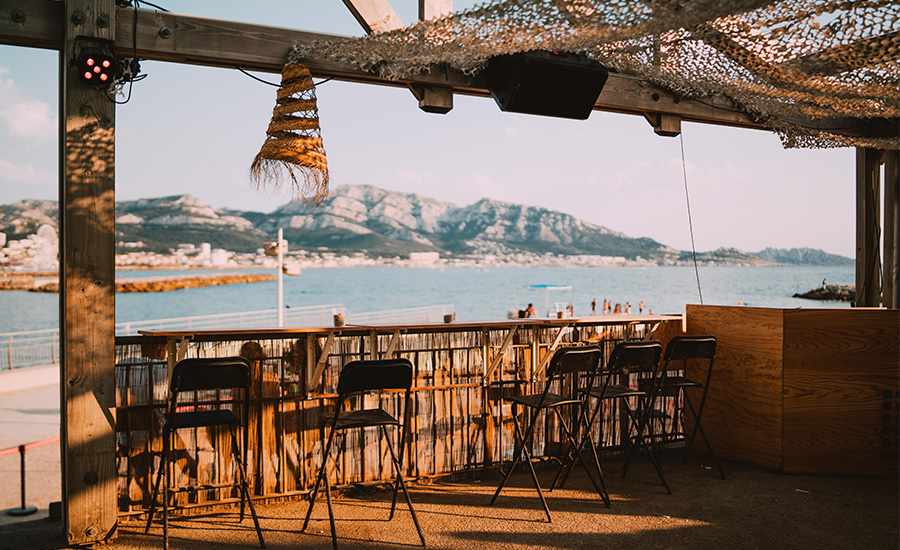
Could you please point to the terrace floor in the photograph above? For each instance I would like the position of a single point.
(751, 509)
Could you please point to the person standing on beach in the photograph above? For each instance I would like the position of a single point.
(618, 309)
(641, 307)
(594, 307)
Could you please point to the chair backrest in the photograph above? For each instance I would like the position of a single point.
(210, 374)
(639, 355)
(583, 359)
(691, 347)
(384, 374)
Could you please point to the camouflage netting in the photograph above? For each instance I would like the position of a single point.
(777, 60)
(293, 148)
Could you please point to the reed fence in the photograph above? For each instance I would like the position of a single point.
(459, 421)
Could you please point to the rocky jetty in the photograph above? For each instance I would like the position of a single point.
(836, 293)
(160, 284)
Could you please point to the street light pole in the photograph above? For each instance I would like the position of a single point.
(280, 278)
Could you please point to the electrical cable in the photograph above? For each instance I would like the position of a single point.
(690, 222)
(258, 79)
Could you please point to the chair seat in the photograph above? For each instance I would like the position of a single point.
(613, 391)
(361, 419)
(551, 400)
(199, 419)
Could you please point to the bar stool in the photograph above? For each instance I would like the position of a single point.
(359, 377)
(190, 375)
(572, 363)
(675, 383)
(631, 357)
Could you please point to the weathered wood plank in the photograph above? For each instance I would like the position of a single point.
(841, 374)
(211, 42)
(891, 291)
(743, 415)
(868, 222)
(374, 15)
(87, 297)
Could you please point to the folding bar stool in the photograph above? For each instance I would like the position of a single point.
(571, 363)
(630, 357)
(676, 383)
(190, 375)
(357, 378)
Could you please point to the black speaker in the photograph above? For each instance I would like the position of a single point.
(556, 84)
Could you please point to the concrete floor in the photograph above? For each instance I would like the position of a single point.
(751, 509)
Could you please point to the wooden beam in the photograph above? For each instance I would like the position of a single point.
(500, 353)
(434, 99)
(891, 291)
(87, 285)
(216, 43)
(868, 222)
(545, 359)
(374, 15)
(316, 374)
(432, 9)
(392, 345)
(664, 125)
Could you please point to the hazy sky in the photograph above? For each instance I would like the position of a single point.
(195, 130)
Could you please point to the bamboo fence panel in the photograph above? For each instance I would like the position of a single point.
(459, 422)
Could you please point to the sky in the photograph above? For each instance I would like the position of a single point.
(195, 130)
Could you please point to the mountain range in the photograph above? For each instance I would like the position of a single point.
(382, 223)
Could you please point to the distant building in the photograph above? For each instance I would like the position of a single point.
(424, 257)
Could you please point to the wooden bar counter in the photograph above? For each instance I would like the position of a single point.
(460, 422)
(804, 390)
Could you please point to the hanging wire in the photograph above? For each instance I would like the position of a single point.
(256, 78)
(687, 199)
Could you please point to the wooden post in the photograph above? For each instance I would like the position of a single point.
(891, 291)
(433, 99)
(87, 286)
(868, 222)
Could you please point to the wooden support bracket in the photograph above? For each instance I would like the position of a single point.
(499, 357)
(664, 125)
(316, 374)
(545, 360)
(392, 345)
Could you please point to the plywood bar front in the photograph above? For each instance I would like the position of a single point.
(804, 390)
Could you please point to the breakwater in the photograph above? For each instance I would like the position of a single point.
(835, 293)
(147, 284)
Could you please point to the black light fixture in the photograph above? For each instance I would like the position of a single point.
(97, 66)
(546, 83)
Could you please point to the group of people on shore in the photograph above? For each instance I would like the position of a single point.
(608, 309)
(617, 309)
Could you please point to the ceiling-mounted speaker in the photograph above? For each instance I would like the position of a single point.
(545, 83)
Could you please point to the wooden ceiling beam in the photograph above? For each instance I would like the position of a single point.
(177, 38)
(374, 15)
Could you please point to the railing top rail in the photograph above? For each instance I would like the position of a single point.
(464, 326)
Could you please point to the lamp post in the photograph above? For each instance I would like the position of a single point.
(281, 246)
(278, 248)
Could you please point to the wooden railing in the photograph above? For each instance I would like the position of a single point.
(459, 420)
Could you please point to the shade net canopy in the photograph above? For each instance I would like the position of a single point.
(800, 67)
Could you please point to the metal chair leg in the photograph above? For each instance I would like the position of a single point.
(399, 480)
(698, 427)
(155, 493)
(245, 490)
(319, 477)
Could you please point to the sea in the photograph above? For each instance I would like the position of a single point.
(477, 294)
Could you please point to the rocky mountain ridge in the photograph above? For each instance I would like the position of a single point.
(382, 223)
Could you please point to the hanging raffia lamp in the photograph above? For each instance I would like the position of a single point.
(293, 148)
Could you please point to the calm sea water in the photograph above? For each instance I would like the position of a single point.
(477, 294)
